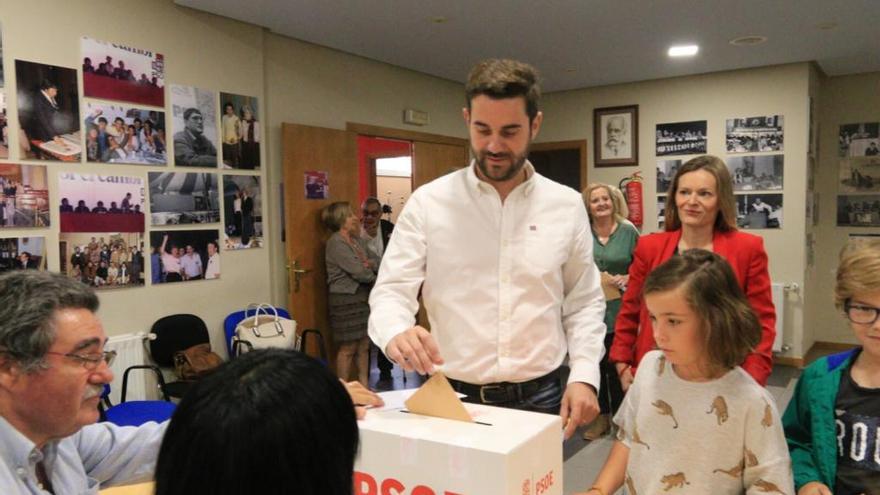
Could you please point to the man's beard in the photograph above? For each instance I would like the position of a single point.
(516, 164)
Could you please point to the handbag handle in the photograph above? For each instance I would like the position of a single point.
(262, 308)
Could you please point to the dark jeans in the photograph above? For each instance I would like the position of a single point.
(610, 390)
(547, 399)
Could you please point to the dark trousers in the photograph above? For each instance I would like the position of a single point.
(546, 399)
(610, 390)
(382, 362)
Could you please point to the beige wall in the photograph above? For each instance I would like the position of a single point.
(781, 90)
(843, 100)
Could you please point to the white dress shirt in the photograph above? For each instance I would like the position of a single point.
(374, 243)
(509, 288)
(213, 270)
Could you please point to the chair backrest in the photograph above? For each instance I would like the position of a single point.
(176, 333)
(233, 319)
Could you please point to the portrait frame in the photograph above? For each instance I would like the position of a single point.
(601, 153)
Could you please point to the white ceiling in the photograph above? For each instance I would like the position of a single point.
(577, 43)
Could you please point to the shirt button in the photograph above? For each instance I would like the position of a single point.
(21, 472)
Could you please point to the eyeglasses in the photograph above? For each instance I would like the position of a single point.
(368, 213)
(863, 315)
(90, 361)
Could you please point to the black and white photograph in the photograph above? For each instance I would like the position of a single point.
(759, 211)
(183, 197)
(666, 170)
(242, 212)
(24, 196)
(184, 256)
(194, 119)
(681, 138)
(616, 136)
(103, 260)
(4, 124)
(859, 139)
(100, 203)
(860, 174)
(756, 173)
(661, 213)
(48, 112)
(112, 71)
(240, 132)
(754, 134)
(22, 253)
(118, 134)
(858, 210)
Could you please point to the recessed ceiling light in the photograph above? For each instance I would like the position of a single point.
(748, 40)
(439, 19)
(683, 50)
(826, 26)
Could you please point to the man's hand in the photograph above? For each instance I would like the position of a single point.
(579, 406)
(415, 349)
(625, 372)
(814, 488)
(362, 396)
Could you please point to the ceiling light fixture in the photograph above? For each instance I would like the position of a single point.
(683, 50)
(748, 40)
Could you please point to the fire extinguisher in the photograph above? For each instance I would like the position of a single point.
(632, 189)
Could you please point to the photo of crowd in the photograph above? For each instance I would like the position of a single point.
(242, 209)
(681, 138)
(24, 195)
(858, 210)
(115, 134)
(759, 211)
(751, 134)
(117, 72)
(194, 116)
(666, 170)
(860, 174)
(103, 260)
(22, 253)
(240, 132)
(101, 203)
(859, 139)
(751, 173)
(184, 255)
(48, 112)
(181, 197)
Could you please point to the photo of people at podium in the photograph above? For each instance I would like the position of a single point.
(181, 197)
(116, 72)
(24, 196)
(759, 211)
(22, 253)
(48, 112)
(751, 134)
(117, 134)
(859, 139)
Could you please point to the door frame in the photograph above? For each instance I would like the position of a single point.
(580, 145)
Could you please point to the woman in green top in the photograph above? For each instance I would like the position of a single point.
(614, 239)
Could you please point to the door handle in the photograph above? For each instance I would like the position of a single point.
(298, 273)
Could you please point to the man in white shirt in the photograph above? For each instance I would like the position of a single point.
(213, 269)
(191, 263)
(503, 258)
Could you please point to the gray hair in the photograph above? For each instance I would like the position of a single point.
(29, 301)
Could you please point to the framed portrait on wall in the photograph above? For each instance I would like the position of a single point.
(616, 136)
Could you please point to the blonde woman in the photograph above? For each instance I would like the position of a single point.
(614, 239)
(351, 271)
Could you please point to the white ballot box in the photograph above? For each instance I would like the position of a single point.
(505, 452)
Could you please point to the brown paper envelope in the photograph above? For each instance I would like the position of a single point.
(437, 398)
(609, 289)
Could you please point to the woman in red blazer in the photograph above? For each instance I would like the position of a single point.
(700, 213)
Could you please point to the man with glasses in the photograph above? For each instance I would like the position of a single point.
(191, 147)
(377, 233)
(53, 369)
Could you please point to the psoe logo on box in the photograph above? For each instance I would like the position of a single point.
(543, 485)
(365, 484)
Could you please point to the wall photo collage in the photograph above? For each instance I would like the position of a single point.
(115, 222)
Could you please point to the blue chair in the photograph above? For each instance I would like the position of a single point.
(136, 412)
(234, 346)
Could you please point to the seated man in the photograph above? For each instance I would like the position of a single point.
(53, 368)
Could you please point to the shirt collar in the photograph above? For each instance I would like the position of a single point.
(484, 187)
(18, 452)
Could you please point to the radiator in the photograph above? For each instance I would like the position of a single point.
(129, 352)
(780, 294)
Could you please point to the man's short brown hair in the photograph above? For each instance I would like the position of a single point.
(504, 78)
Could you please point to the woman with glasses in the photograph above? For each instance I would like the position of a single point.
(832, 423)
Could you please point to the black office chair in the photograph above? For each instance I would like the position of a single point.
(176, 333)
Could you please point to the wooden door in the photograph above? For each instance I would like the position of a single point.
(431, 160)
(563, 161)
(306, 149)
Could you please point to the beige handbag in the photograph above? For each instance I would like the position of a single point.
(262, 328)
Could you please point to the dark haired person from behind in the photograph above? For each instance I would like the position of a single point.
(270, 422)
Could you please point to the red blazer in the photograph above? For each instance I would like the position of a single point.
(633, 335)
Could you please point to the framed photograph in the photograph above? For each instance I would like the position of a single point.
(859, 174)
(681, 138)
(101, 203)
(759, 211)
(858, 210)
(48, 112)
(117, 134)
(666, 170)
(240, 132)
(243, 212)
(184, 255)
(24, 196)
(22, 253)
(181, 197)
(104, 260)
(616, 136)
(112, 71)
(756, 172)
(859, 139)
(194, 119)
(753, 134)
